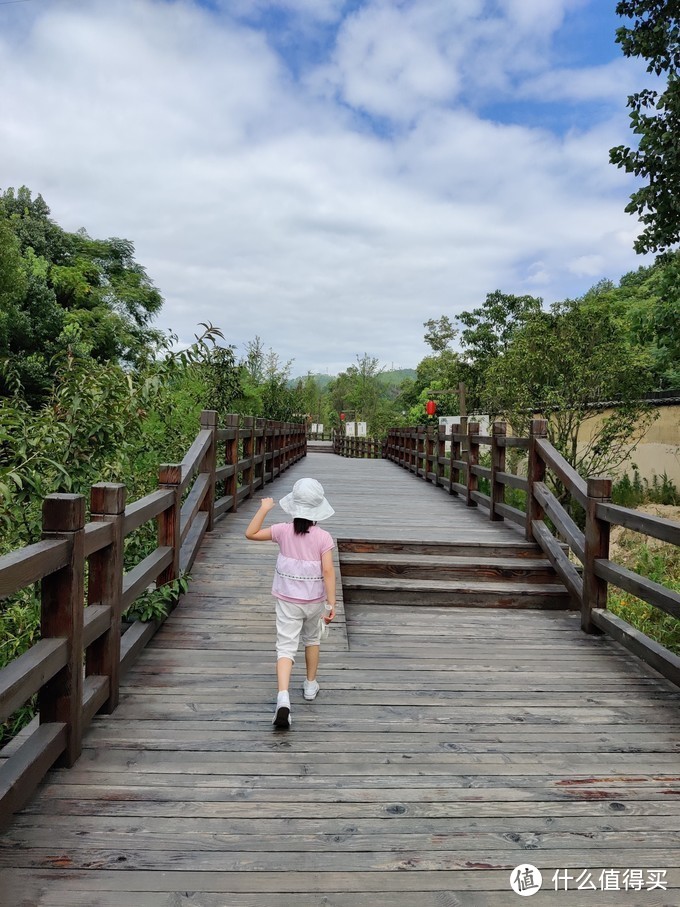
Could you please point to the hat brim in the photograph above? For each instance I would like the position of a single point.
(316, 513)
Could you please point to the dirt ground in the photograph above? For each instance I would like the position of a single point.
(623, 540)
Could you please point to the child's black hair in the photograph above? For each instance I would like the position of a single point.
(301, 525)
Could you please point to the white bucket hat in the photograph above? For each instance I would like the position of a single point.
(307, 501)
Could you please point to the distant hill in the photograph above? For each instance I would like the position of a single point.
(392, 378)
(396, 376)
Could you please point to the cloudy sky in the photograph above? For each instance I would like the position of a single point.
(327, 174)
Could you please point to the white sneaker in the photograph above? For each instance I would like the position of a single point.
(310, 688)
(282, 717)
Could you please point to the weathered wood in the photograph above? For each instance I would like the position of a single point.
(222, 473)
(97, 536)
(535, 473)
(472, 462)
(499, 430)
(23, 677)
(512, 513)
(95, 696)
(61, 616)
(259, 478)
(147, 508)
(520, 443)
(133, 643)
(559, 516)
(20, 774)
(105, 586)
(507, 478)
(30, 564)
(571, 480)
(640, 586)
(596, 548)
(192, 543)
(442, 741)
(223, 506)
(96, 623)
(193, 458)
(655, 526)
(568, 573)
(654, 654)
(149, 570)
(169, 525)
(194, 503)
(231, 459)
(208, 465)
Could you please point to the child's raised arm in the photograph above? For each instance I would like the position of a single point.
(255, 532)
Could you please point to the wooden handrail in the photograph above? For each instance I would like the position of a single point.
(411, 449)
(53, 667)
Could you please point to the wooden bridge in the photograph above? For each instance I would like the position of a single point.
(448, 745)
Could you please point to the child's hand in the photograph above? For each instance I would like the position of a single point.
(267, 504)
(329, 613)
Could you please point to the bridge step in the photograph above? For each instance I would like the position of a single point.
(454, 594)
(474, 549)
(453, 574)
(530, 570)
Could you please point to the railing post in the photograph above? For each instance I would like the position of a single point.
(231, 459)
(441, 455)
(429, 453)
(596, 546)
(248, 453)
(420, 447)
(61, 615)
(455, 454)
(259, 448)
(209, 463)
(472, 461)
(105, 587)
(170, 477)
(535, 473)
(498, 430)
(276, 450)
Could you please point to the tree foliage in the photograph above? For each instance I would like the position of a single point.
(654, 36)
(563, 362)
(56, 285)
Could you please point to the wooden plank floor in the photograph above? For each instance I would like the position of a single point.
(446, 747)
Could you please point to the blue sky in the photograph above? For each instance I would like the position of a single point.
(326, 174)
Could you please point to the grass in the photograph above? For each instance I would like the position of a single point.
(661, 564)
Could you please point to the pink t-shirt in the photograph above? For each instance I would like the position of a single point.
(298, 576)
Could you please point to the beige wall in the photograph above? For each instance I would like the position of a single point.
(659, 450)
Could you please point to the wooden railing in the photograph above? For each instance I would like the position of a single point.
(76, 666)
(361, 448)
(587, 573)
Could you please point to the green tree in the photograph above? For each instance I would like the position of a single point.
(54, 283)
(558, 365)
(654, 36)
(487, 334)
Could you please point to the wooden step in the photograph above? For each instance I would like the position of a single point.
(507, 548)
(454, 593)
(445, 567)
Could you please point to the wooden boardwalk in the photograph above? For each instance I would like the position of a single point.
(446, 747)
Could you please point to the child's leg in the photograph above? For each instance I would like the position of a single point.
(289, 620)
(311, 661)
(284, 666)
(310, 638)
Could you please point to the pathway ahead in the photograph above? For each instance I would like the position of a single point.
(449, 744)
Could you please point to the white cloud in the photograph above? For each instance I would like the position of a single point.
(608, 82)
(264, 206)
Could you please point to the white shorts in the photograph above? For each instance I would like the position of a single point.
(295, 622)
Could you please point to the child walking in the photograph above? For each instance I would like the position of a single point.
(304, 584)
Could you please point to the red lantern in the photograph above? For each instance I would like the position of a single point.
(342, 417)
(431, 408)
